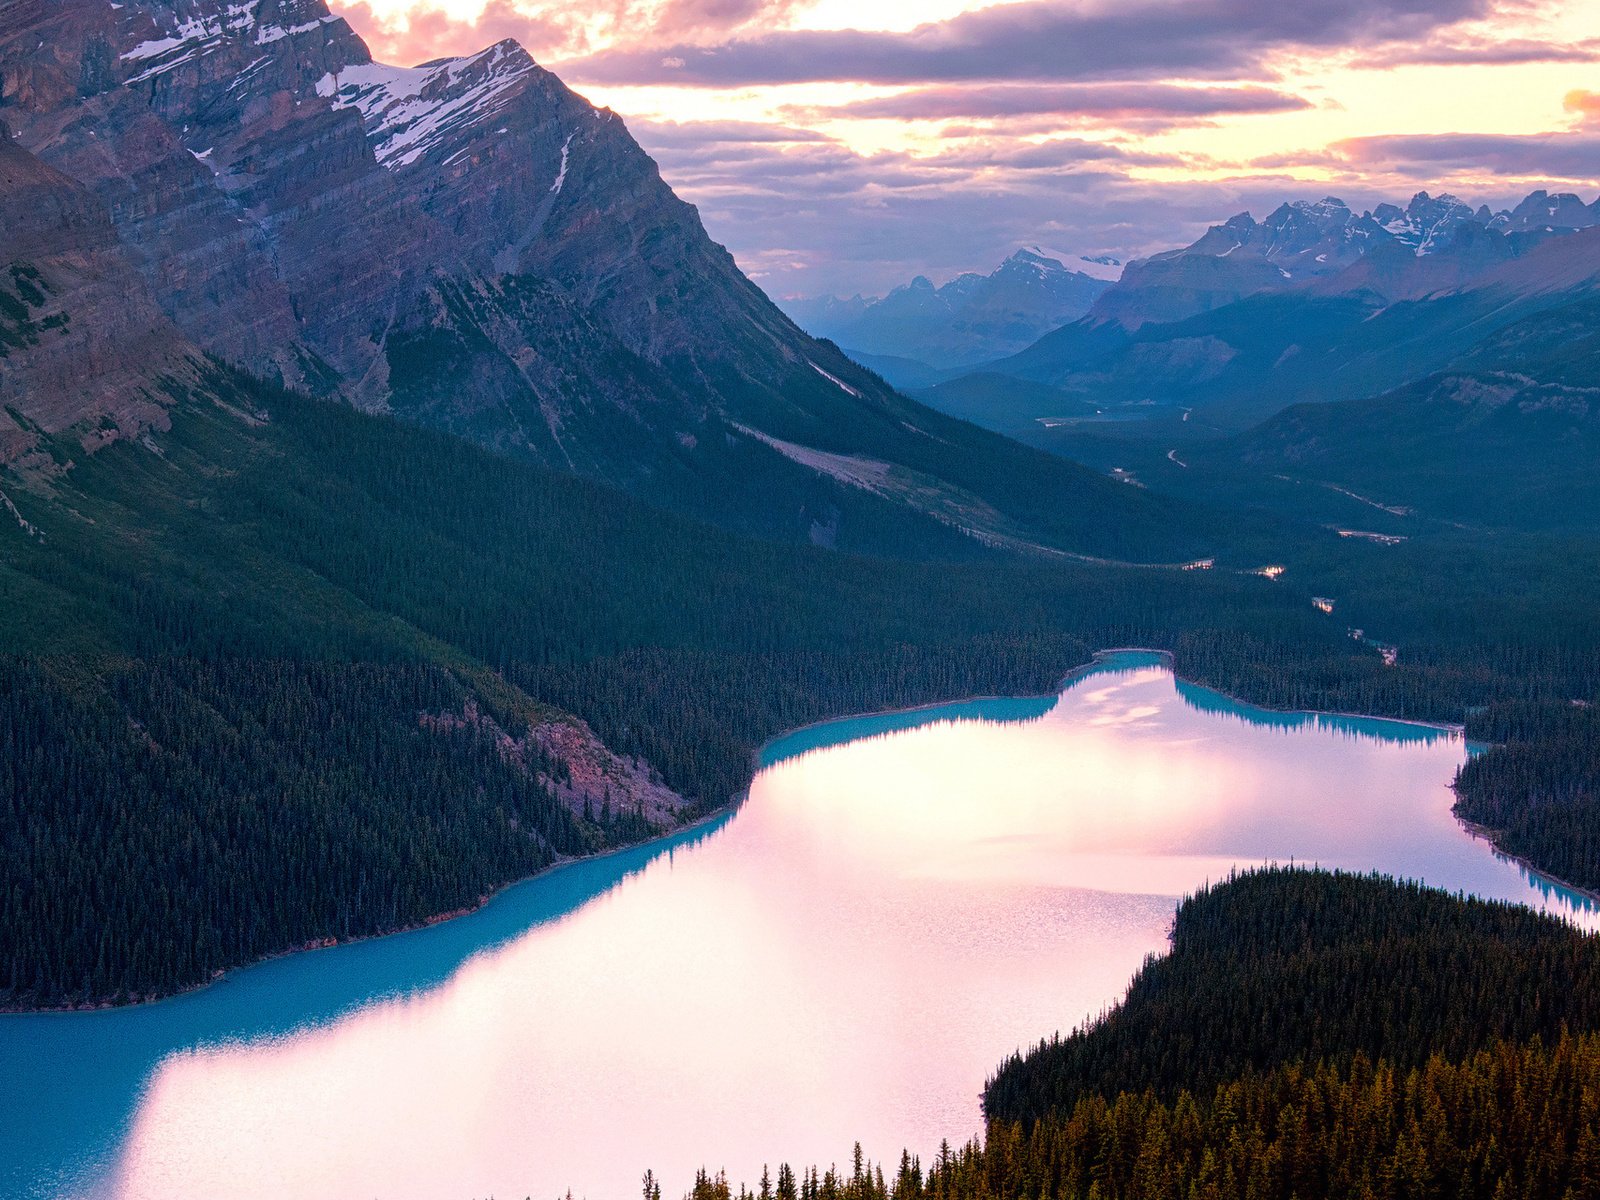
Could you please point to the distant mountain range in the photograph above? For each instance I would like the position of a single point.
(1320, 244)
(971, 319)
(465, 244)
(920, 336)
(1314, 303)
(1437, 358)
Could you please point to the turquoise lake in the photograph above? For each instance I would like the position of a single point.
(901, 902)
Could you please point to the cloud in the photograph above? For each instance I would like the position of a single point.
(709, 136)
(805, 213)
(691, 18)
(1105, 101)
(1574, 157)
(424, 32)
(1041, 40)
(550, 29)
(1585, 104)
(1483, 51)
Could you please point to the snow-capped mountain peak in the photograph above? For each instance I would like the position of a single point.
(407, 111)
(1032, 260)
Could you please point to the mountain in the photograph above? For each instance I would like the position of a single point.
(469, 245)
(1238, 258)
(1304, 242)
(80, 338)
(971, 319)
(1541, 211)
(1405, 303)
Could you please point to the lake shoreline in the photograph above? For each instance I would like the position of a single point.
(1097, 661)
(731, 805)
(1484, 833)
(414, 927)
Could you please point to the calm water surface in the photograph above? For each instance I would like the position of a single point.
(903, 901)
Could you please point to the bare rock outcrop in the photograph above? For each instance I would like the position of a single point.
(83, 346)
(565, 755)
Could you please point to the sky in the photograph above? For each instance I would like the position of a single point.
(843, 146)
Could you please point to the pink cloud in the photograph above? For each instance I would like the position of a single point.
(1556, 156)
(426, 33)
(1585, 104)
(1040, 40)
(1483, 51)
(1098, 100)
(552, 29)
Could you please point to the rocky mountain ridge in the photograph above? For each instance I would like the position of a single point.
(1388, 319)
(1323, 244)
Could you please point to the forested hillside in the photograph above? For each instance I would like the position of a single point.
(1279, 966)
(172, 607)
(1507, 1121)
(1310, 1034)
(285, 641)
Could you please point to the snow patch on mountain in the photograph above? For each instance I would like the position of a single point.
(1099, 266)
(561, 174)
(408, 111)
(188, 38)
(267, 34)
(835, 380)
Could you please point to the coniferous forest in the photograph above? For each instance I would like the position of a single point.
(1310, 1034)
(175, 630)
(1510, 1120)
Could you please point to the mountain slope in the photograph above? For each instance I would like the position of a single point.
(472, 246)
(1508, 439)
(81, 341)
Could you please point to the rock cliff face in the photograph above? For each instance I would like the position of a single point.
(83, 347)
(465, 243)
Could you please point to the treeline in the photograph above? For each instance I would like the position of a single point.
(1508, 1121)
(1279, 966)
(193, 816)
(1311, 1034)
(700, 717)
(1540, 790)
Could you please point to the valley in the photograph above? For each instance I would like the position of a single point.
(492, 703)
